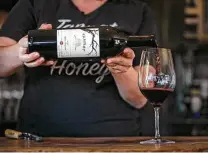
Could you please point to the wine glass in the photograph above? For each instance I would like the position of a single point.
(156, 82)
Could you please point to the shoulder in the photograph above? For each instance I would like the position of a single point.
(136, 4)
(130, 5)
(132, 8)
(133, 12)
(138, 7)
(44, 9)
(43, 3)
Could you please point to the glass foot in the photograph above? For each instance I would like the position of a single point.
(157, 141)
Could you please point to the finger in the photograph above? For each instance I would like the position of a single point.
(128, 53)
(116, 66)
(111, 65)
(48, 63)
(28, 57)
(36, 63)
(24, 42)
(22, 51)
(46, 26)
(149, 69)
(115, 71)
(120, 68)
(120, 61)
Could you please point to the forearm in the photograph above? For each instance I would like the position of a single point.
(127, 84)
(9, 60)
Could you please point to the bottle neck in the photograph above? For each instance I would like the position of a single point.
(142, 41)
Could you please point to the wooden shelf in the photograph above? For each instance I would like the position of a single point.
(191, 11)
(191, 21)
(199, 20)
(190, 35)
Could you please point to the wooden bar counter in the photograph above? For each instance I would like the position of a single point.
(121, 144)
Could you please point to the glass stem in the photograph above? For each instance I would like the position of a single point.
(157, 122)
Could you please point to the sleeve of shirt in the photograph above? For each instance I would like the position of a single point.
(20, 19)
(148, 26)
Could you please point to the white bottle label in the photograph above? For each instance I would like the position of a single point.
(78, 43)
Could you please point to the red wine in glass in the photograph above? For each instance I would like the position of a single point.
(156, 96)
(156, 82)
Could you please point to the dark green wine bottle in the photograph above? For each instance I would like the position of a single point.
(85, 44)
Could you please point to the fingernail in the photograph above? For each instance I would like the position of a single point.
(108, 61)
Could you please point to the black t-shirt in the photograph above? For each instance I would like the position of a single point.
(76, 99)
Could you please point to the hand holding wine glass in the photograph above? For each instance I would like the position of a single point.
(156, 82)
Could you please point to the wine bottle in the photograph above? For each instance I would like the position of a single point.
(84, 43)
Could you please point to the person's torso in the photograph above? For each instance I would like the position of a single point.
(70, 94)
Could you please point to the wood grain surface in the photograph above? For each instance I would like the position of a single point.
(118, 144)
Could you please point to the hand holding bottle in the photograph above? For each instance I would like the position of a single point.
(120, 63)
(33, 59)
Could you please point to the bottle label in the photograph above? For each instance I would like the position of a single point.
(78, 43)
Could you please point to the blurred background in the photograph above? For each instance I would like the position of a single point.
(183, 27)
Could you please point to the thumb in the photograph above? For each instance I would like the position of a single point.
(128, 53)
(24, 42)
